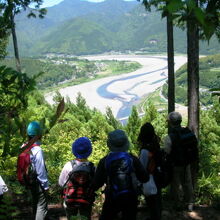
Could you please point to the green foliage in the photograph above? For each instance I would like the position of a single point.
(112, 120)
(208, 184)
(14, 89)
(7, 208)
(209, 79)
(61, 71)
(100, 32)
(132, 128)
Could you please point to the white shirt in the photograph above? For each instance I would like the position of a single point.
(38, 163)
(3, 187)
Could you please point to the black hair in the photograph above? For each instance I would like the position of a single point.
(147, 138)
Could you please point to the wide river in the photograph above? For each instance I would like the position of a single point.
(123, 91)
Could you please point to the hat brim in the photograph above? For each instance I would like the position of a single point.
(125, 147)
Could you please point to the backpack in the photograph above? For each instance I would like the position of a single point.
(119, 167)
(184, 148)
(76, 189)
(160, 166)
(164, 169)
(26, 175)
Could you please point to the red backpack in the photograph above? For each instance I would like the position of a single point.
(25, 173)
(76, 189)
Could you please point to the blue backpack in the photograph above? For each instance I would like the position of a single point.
(119, 167)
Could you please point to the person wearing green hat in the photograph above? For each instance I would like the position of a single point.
(75, 179)
(119, 172)
(39, 184)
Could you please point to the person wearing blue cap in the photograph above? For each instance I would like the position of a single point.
(39, 181)
(75, 179)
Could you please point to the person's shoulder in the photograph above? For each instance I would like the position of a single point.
(37, 148)
(134, 157)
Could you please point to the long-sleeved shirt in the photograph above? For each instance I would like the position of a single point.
(38, 164)
(101, 174)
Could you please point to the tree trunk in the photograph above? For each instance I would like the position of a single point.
(15, 43)
(193, 76)
(170, 55)
(193, 85)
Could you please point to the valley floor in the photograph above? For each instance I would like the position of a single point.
(124, 88)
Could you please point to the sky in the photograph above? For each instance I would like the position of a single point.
(49, 3)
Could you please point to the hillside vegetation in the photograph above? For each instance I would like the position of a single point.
(64, 71)
(78, 27)
(209, 78)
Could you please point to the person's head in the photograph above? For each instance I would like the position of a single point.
(174, 119)
(118, 141)
(34, 129)
(82, 148)
(146, 134)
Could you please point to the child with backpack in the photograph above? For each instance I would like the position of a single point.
(75, 178)
(32, 172)
(149, 157)
(118, 170)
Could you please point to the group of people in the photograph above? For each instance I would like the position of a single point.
(119, 174)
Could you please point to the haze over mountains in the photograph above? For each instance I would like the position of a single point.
(80, 27)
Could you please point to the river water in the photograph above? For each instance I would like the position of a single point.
(121, 92)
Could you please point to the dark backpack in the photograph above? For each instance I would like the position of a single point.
(76, 189)
(164, 170)
(184, 148)
(119, 167)
(25, 173)
(160, 166)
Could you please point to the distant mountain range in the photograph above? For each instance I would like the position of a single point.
(80, 27)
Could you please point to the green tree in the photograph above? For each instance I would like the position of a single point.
(202, 19)
(14, 89)
(112, 120)
(133, 126)
(9, 10)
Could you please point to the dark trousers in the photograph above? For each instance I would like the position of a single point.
(125, 204)
(83, 210)
(39, 202)
(154, 204)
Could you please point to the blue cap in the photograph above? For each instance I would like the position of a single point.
(34, 129)
(82, 147)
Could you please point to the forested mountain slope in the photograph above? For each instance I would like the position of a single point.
(69, 70)
(209, 78)
(79, 27)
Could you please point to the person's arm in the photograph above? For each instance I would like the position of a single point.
(167, 144)
(140, 171)
(144, 157)
(100, 175)
(64, 175)
(41, 169)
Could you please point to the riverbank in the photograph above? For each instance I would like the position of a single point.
(126, 88)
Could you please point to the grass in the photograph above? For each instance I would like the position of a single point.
(154, 98)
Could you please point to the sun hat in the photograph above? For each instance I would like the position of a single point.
(82, 148)
(118, 141)
(34, 129)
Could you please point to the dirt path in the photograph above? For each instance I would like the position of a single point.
(202, 212)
